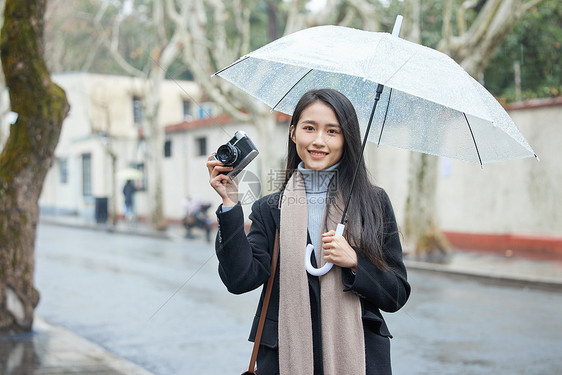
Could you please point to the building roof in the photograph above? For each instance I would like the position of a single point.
(207, 122)
(535, 103)
(224, 119)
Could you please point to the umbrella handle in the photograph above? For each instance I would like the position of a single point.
(326, 267)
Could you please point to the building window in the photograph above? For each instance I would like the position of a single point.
(168, 148)
(86, 175)
(63, 170)
(206, 110)
(137, 110)
(201, 144)
(187, 110)
(141, 184)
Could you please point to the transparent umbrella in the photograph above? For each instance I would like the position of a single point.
(428, 102)
(129, 174)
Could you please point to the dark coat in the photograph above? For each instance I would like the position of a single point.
(128, 191)
(245, 263)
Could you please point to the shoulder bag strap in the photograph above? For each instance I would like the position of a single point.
(274, 257)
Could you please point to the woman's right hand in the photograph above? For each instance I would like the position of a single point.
(223, 185)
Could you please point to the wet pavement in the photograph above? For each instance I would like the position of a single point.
(468, 326)
(154, 304)
(51, 349)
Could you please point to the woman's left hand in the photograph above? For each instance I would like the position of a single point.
(338, 251)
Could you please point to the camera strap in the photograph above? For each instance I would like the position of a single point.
(274, 257)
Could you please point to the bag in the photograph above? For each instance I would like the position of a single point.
(274, 257)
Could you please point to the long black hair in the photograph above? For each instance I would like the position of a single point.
(365, 207)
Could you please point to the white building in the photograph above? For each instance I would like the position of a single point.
(191, 144)
(507, 204)
(106, 117)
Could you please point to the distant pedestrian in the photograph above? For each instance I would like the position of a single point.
(195, 215)
(129, 193)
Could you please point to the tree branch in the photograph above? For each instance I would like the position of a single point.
(530, 5)
(475, 48)
(117, 56)
(245, 32)
(219, 50)
(92, 54)
(411, 29)
(101, 11)
(172, 12)
(461, 21)
(158, 20)
(486, 16)
(368, 13)
(327, 15)
(112, 46)
(190, 29)
(349, 17)
(447, 30)
(294, 21)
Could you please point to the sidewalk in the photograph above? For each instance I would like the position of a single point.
(53, 350)
(136, 228)
(517, 271)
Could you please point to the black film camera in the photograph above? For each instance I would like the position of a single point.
(237, 153)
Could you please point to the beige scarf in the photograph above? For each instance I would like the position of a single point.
(343, 345)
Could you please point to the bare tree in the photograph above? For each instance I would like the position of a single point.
(472, 48)
(26, 157)
(163, 51)
(215, 33)
(4, 100)
(207, 48)
(475, 44)
(209, 35)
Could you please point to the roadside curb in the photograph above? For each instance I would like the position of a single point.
(52, 349)
(500, 277)
(92, 349)
(106, 228)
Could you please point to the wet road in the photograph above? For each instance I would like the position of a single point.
(160, 303)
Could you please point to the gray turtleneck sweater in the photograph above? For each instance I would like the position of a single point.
(316, 184)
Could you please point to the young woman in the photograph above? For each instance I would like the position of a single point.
(329, 324)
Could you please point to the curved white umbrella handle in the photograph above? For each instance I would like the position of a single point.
(326, 267)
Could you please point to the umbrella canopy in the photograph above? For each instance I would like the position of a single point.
(129, 174)
(429, 103)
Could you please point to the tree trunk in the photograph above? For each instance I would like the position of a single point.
(156, 132)
(155, 145)
(472, 50)
(26, 158)
(269, 167)
(421, 226)
(113, 198)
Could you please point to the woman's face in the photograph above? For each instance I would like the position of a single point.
(318, 136)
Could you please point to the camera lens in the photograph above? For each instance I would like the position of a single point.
(227, 154)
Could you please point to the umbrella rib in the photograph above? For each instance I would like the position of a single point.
(231, 65)
(288, 91)
(399, 68)
(385, 115)
(473, 140)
